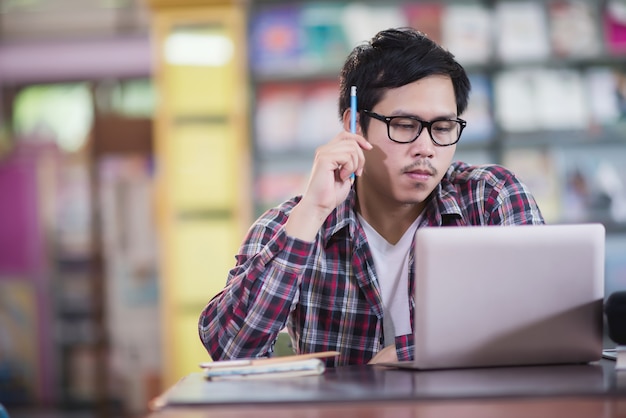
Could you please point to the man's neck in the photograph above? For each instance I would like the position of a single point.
(390, 220)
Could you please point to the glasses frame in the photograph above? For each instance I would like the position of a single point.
(423, 124)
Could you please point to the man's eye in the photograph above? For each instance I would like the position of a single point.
(407, 124)
(443, 126)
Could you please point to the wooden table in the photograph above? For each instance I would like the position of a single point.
(594, 390)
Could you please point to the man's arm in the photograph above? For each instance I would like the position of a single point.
(244, 319)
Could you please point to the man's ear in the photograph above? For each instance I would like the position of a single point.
(346, 121)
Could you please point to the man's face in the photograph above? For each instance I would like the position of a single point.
(408, 173)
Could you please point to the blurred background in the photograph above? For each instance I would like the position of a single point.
(139, 140)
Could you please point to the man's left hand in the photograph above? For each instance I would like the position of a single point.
(386, 355)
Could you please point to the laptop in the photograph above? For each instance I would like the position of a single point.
(490, 296)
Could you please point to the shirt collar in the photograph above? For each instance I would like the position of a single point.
(444, 201)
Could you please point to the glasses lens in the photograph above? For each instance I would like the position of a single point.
(404, 129)
(445, 131)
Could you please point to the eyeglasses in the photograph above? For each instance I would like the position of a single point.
(406, 129)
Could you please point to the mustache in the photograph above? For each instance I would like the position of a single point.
(420, 165)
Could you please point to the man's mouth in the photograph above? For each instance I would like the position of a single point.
(420, 174)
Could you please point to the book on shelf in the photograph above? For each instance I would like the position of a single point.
(538, 169)
(296, 116)
(560, 99)
(480, 124)
(318, 120)
(466, 30)
(537, 99)
(362, 20)
(278, 116)
(615, 27)
(427, 18)
(514, 100)
(522, 31)
(276, 40)
(603, 95)
(274, 187)
(325, 40)
(574, 31)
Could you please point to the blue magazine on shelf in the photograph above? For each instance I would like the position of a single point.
(276, 40)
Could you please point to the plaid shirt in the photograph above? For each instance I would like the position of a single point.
(326, 292)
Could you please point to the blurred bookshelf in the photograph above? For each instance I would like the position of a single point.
(69, 320)
(548, 94)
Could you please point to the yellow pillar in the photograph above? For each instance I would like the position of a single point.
(202, 163)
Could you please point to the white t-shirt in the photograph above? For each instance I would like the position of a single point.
(391, 263)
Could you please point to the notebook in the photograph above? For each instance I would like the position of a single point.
(508, 295)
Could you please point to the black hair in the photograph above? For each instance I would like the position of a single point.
(394, 58)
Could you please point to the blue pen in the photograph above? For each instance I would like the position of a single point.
(353, 110)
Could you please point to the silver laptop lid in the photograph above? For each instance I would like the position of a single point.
(508, 295)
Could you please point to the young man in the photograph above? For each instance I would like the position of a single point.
(335, 265)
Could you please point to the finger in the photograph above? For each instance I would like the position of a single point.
(357, 159)
(346, 152)
(346, 164)
(344, 174)
(363, 143)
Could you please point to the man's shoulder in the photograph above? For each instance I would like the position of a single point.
(491, 174)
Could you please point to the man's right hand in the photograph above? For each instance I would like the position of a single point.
(329, 183)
